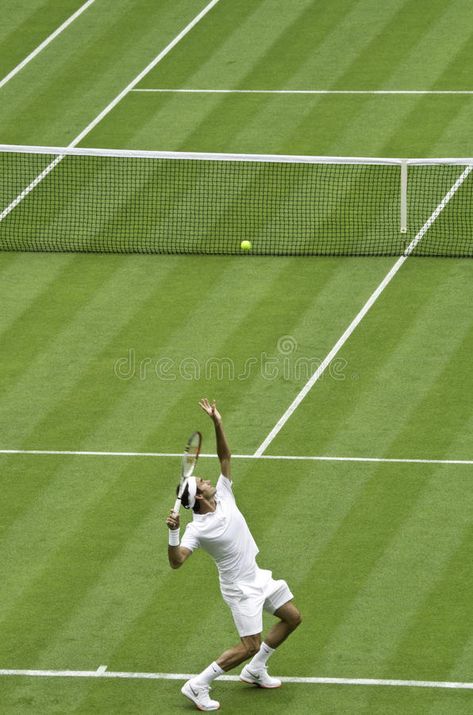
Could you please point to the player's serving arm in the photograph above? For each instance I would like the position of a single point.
(219, 528)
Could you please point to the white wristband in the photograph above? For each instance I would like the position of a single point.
(173, 537)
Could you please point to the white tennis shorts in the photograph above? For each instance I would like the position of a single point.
(248, 600)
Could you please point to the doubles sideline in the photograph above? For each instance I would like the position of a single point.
(361, 314)
(288, 457)
(102, 672)
(45, 43)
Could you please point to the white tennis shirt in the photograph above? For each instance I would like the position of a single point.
(224, 534)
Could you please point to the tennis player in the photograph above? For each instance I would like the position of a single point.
(219, 528)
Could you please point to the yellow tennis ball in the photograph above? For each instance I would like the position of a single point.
(245, 245)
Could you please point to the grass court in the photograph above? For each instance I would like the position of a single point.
(104, 358)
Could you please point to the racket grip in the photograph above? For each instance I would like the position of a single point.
(177, 506)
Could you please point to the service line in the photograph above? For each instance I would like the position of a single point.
(303, 91)
(287, 457)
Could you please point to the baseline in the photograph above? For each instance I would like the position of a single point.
(101, 672)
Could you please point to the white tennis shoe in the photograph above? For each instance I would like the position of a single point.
(259, 677)
(199, 694)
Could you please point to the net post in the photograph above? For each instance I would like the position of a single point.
(404, 196)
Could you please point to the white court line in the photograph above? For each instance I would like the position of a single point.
(45, 43)
(99, 673)
(307, 91)
(8, 209)
(359, 317)
(287, 457)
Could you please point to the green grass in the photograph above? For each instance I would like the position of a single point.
(57, 95)
(406, 373)
(115, 696)
(111, 353)
(24, 27)
(228, 309)
(346, 125)
(87, 575)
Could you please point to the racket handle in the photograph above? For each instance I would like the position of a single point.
(177, 506)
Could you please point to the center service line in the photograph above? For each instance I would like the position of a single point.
(100, 673)
(358, 318)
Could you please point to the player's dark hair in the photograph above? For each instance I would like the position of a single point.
(185, 499)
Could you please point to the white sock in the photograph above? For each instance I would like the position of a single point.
(209, 674)
(261, 658)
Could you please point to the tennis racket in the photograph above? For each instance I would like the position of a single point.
(189, 459)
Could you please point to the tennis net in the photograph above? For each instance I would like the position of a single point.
(63, 199)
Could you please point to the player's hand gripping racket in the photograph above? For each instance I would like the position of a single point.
(189, 459)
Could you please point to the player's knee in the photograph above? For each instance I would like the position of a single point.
(294, 619)
(297, 619)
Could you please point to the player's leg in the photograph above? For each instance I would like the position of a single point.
(256, 671)
(278, 601)
(247, 648)
(197, 689)
(289, 619)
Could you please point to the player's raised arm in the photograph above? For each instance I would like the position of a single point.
(223, 450)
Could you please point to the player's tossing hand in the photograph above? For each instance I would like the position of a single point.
(211, 409)
(173, 521)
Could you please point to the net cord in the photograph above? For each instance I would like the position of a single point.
(214, 156)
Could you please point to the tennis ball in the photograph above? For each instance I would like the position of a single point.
(245, 245)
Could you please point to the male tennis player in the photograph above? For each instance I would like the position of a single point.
(219, 528)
